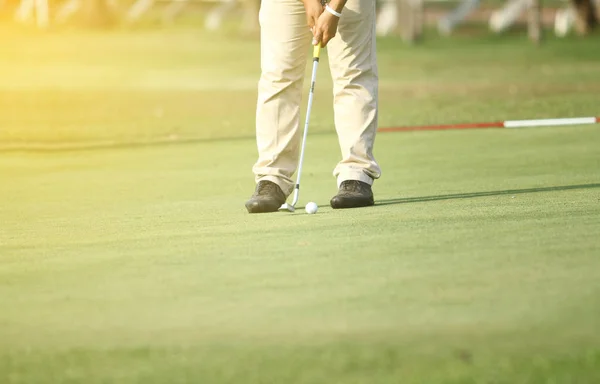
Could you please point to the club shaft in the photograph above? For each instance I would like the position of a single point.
(305, 134)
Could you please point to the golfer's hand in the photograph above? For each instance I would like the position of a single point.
(325, 28)
(313, 9)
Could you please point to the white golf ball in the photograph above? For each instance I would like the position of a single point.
(311, 208)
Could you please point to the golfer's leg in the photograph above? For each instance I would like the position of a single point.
(353, 66)
(285, 42)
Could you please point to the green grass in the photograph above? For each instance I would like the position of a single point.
(182, 85)
(139, 264)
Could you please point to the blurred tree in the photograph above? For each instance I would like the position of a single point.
(98, 13)
(587, 15)
(405, 17)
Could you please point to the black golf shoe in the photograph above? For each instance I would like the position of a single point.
(353, 194)
(267, 197)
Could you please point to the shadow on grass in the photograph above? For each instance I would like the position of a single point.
(469, 195)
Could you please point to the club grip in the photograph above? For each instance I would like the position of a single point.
(317, 51)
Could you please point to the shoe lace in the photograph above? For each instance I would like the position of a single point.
(265, 188)
(351, 186)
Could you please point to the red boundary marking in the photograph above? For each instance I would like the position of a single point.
(498, 124)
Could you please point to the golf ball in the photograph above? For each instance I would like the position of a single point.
(311, 208)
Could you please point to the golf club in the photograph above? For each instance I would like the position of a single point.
(292, 207)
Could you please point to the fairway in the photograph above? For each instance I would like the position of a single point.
(127, 256)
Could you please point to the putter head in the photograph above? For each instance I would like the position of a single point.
(287, 207)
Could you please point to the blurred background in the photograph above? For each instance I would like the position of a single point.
(113, 71)
(406, 18)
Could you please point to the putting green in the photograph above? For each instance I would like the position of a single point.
(479, 263)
